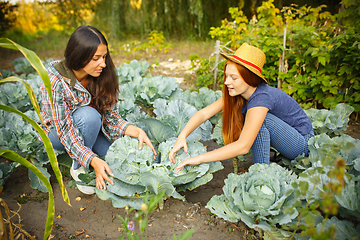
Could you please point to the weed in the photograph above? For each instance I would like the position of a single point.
(24, 198)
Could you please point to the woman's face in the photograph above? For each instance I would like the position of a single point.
(97, 63)
(235, 83)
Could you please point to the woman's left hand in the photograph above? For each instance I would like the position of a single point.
(189, 161)
(138, 133)
(102, 170)
(143, 138)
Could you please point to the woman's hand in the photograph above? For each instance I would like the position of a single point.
(189, 161)
(138, 133)
(143, 138)
(101, 167)
(180, 142)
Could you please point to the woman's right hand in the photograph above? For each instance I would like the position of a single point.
(100, 168)
(180, 142)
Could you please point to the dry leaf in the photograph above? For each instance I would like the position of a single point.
(79, 232)
(82, 209)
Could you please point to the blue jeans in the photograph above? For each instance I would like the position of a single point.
(88, 121)
(278, 134)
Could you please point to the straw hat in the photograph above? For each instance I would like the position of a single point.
(250, 57)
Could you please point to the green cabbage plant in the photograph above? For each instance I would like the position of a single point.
(332, 122)
(137, 174)
(257, 197)
(346, 146)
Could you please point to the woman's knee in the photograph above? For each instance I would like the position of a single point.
(87, 116)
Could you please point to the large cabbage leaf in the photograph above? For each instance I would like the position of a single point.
(331, 122)
(343, 146)
(349, 199)
(203, 98)
(257, 197)
(177, 113)
(344, 229)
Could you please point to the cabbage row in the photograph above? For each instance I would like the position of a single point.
(155, 104)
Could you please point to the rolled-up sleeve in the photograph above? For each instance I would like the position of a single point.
(67, 132)
(113, 124)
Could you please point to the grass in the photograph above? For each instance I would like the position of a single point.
(52, 45)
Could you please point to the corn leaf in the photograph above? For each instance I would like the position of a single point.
(11, 155)
(48, 147)
(33, 59)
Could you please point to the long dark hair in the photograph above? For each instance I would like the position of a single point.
(79, 51)
(233, 119)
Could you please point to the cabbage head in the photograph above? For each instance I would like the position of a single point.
(257, 197)
(137, 173)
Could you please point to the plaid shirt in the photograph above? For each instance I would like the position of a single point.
(67, 99)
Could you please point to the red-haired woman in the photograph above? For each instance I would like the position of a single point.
(256, 116)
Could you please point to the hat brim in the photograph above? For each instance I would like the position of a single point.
(250, 68)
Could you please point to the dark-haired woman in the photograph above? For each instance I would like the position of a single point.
(84, 120)
(255, 115)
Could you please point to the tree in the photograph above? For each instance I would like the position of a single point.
(7, 16)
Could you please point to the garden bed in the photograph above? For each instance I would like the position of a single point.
(93, 218)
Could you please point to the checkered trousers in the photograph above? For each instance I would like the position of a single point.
(278, 134)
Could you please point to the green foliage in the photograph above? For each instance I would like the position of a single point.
(156, 43)
(257, 197)
(175, 18)
(176, 114)
(201, 98)
(327, 190)
(139, 91)
(320, 145)
(141, 217)
(18, 135)
(204, 69)
(22, 65)
(318, 190)
(320, 65)
(7, 16)
(332, 122)
(6, 170)
(142, 88)
(136, 172)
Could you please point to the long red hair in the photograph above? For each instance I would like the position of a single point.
(233, 119)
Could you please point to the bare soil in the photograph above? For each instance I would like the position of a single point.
(88, 217)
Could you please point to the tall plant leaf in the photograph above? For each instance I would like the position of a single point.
(33, 59)
(39, 67)
(29, 89)
(11, 155)
(48, 147)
